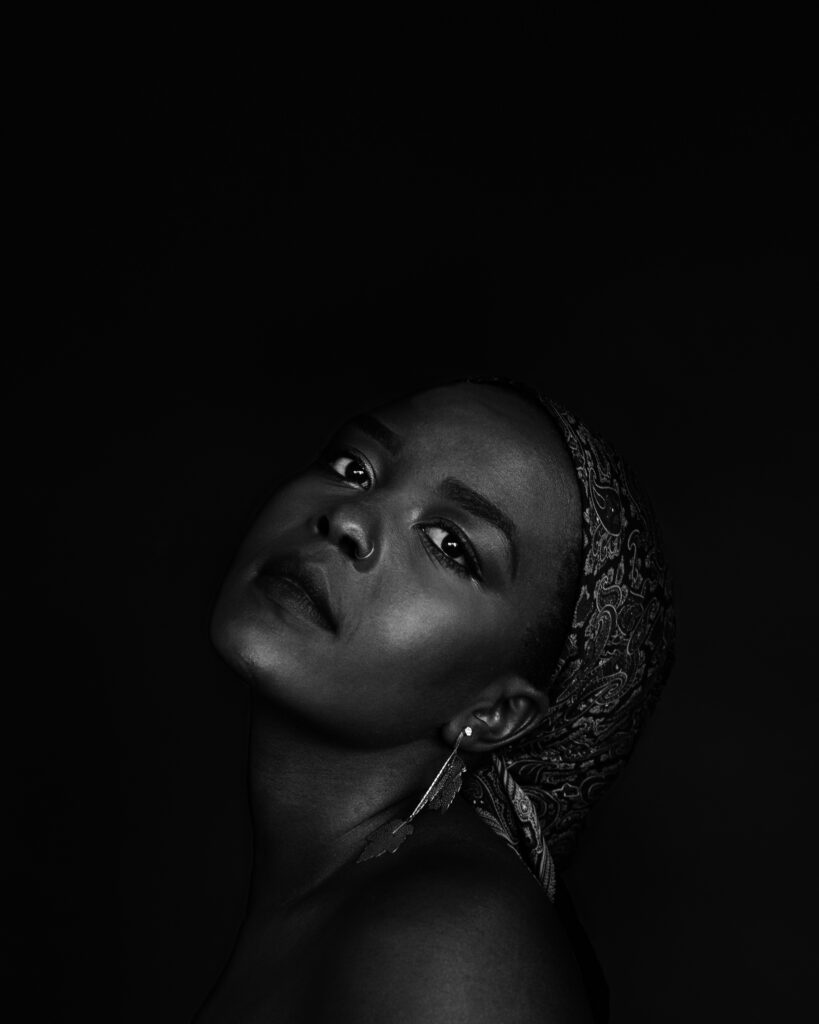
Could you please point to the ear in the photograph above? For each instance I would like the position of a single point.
(506, 710)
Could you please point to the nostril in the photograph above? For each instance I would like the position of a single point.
(349, 546)
(323, 526)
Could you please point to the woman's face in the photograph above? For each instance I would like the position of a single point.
(384, 588)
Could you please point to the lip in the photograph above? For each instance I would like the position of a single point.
(290, 581)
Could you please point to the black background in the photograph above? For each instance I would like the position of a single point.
(230, 256)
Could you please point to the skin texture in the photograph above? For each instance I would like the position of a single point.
(417, 638)
(350, 723)
(455, 933)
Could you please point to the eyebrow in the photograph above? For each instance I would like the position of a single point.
(478, 505)
(379, 432)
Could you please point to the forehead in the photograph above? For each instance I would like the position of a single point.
(475, 423)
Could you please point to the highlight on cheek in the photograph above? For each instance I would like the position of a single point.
(409, 627)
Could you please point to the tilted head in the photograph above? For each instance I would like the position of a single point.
(469, 555)
(434, 537)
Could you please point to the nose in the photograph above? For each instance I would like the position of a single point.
(351, 531)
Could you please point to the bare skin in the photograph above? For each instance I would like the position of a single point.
(450, 928)
(359, 694)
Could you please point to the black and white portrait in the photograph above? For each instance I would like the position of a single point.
(412, 490)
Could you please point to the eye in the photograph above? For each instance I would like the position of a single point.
(451, 549)
(351, 468)
(450, 543)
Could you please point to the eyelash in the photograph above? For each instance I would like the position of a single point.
(472, 569)
(334, 454)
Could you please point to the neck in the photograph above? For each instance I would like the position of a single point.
(314, 801)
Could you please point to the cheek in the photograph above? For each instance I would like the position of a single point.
(411, 625)
(439, 643)
(286, 512)
(405, 671)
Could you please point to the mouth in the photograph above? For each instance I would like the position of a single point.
(300, 588)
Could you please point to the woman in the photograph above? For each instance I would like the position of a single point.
(463, 588)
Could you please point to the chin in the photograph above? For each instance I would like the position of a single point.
(267, 662)
(227, 641)
(233, 637)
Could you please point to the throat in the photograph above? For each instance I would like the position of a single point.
(314, 803)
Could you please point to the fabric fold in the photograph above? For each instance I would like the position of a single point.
(536, 792)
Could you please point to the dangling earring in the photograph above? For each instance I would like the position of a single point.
(439, 796)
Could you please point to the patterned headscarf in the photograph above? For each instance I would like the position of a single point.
(618, 652)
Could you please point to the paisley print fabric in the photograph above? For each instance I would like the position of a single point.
(618, 652)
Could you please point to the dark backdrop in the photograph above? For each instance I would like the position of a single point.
(237, 259)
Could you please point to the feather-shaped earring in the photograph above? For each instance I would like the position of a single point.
(439, 796)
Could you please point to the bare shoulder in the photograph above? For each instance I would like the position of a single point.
(450, 936)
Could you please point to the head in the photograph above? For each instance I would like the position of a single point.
(417, 577)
